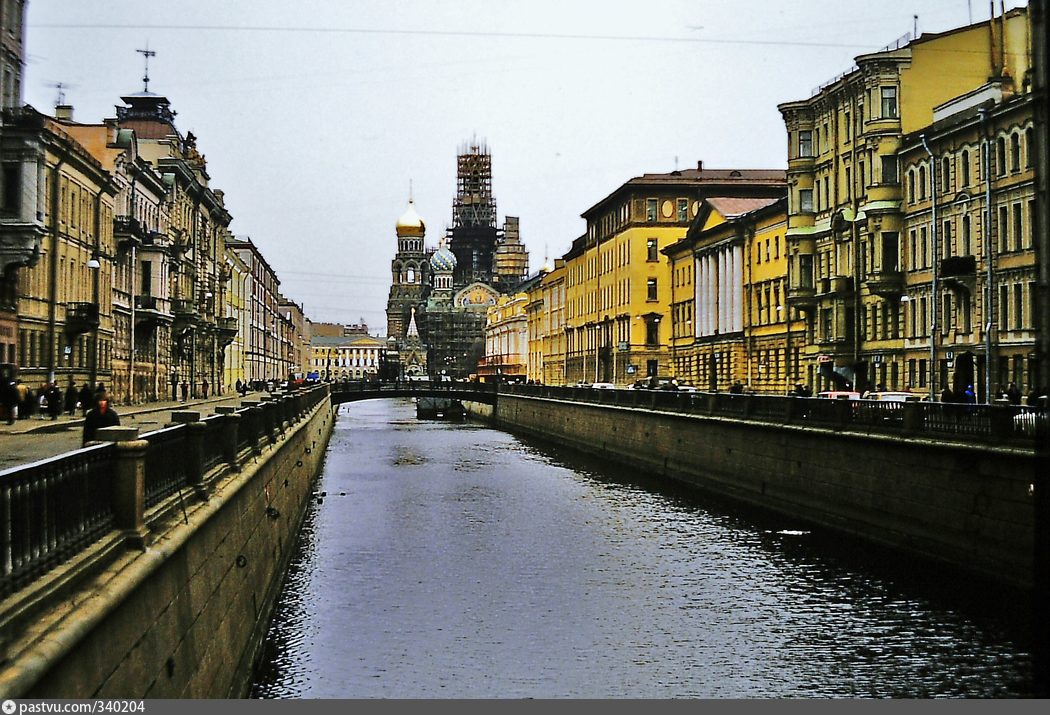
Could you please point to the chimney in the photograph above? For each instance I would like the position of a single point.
(700, 165)
(64, 112)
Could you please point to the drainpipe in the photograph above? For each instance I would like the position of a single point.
(936, 257)
(989, 285)
(131, 326)
(52, 303)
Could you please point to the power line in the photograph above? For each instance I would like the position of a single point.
(447, 33)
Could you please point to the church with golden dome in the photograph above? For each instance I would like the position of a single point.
(439, 296)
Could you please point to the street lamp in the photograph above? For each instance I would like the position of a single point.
(95, 265)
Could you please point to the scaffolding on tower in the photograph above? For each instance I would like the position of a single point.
(474, 204)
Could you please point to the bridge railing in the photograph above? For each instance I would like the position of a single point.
(52, 509)
(989, 424)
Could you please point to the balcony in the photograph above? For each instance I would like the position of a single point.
(148, 312)
(802, 296)
(886, 284)
(81, 318)
(185, 312)
(835, 285)
(128, 232)
(227, 330)
(959, 272)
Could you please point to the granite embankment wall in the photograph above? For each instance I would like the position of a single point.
(965, 505)
(184, 616)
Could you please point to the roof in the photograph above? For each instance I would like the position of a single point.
(732, 207)
(699, 178)
(340, 341)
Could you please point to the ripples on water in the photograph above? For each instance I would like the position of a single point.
(462, 562)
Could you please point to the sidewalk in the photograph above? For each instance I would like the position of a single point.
(38, 425)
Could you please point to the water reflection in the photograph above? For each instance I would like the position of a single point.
(464, 562)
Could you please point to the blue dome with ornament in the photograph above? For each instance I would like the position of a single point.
(443, 260)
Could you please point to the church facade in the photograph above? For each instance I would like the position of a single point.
(439, 296)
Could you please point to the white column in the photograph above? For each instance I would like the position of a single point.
(698, 308)
(709, 294)
(738, 288)
(723, 294)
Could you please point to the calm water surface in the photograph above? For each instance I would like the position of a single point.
(449, 560)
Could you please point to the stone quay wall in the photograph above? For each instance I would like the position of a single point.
(177, 605)
(966, 505)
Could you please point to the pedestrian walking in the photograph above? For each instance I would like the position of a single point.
(54, 400)
(174, 385)
(87, 399)
(70, 399)
(9, 400)
(204, 388)
(185, 390)
(99, 416)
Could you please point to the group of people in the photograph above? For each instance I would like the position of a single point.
(20, 401)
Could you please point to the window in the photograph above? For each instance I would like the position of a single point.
(889, 102)
(1018, 305)
(651, 250)
(964, 238)
(1029, 147)
(805, 200)
(946, 175)
(776, 246)
(911, 187)
(1018, 231)
(683, 210)
(1000, 152)
(1004, 233)
(652, 335)
(846, 124)
(147, 278)
(650, 289)
(946, 239)
(11, 195)
(1015, 152)
(890, 261)
(1004, 306)
(650, 210)
(924, 246)
(922, 181)
(964, 165)
(889, 170)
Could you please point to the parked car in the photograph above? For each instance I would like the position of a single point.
(839, 395)
(894, 396)
(603, 386)
(687, 388)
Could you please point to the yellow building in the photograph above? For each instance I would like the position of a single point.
(728, 277)
(970, 273)
(346, 357)
(546, 326)
(506, 340)
(237, 313)
(617, 283)
(845, 213)
(65, 298)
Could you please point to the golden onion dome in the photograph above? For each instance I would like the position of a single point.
(410, 224)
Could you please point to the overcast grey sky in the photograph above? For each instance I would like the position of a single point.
(314, 115)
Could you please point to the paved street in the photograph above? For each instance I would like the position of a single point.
(34, 438)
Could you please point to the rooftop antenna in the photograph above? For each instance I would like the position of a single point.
(146, 53)
(915, 26)
(410, 191)
(61, 99)
(969, 10)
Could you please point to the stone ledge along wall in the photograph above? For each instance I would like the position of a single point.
(960, 504)
(186, 617)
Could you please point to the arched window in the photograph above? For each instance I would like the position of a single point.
(410, 275)
(922, 181)
(946, 175)
(964, 237)
(964, 165)
(1029, 147)
(911, 187)
(1000, 151)
(1015, 152)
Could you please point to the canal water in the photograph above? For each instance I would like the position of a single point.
(450, 560)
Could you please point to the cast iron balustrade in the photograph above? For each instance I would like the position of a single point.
(166, 464)
(81, 318)
(51, 509)
(128, 232)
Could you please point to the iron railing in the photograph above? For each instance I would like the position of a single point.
(54, 508)
(51, 509)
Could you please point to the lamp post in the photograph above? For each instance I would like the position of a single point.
(95, 265)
